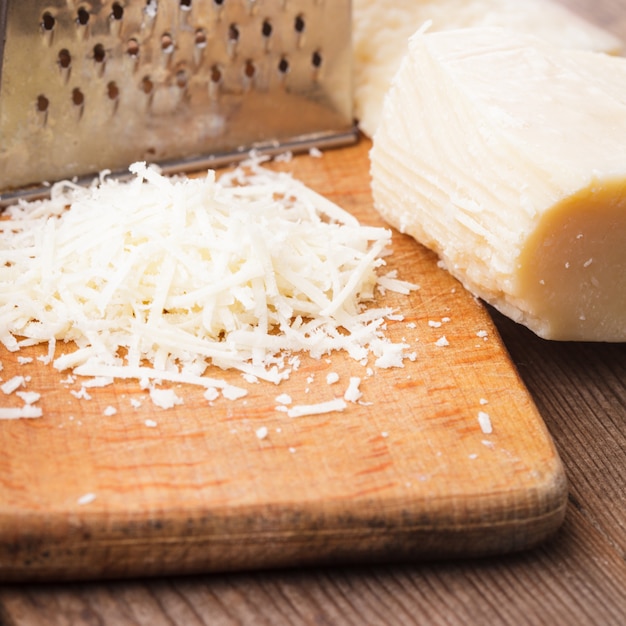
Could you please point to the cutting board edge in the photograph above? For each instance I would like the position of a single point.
(148, 549)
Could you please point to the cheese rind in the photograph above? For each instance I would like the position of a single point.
(507, 156)
(381, 30)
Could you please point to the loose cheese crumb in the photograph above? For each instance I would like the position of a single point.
(12, 384)
(86, 499)
(330, 406)
(231, 392)
(261, 432)
(165, 398)
(484, 422)
(332, 378)
(211, 394)
(26, 411)
(81, 394)
(99, 381)
(28, 397)
(353, 393)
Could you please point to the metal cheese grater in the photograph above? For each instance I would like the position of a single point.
(92, 85)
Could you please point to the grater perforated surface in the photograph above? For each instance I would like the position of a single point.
(88, 86)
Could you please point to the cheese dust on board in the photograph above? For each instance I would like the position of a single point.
(160, 278)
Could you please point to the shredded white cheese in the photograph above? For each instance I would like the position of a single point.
(165, 398)
(26, 411)
(159, 278)
(86, 499)
(484, 422)
(12, 384)
(28, 397)
(332, 378)
(330, 406)
(231, 392)
(81, 394)
(211, 394)
(353, 393)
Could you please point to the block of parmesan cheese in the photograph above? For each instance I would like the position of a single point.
(507, 156)
(381, 29)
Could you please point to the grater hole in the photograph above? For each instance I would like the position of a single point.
(200, 38)
(266, 28)
(216, 74)
(147, 85)
(65, 58)
(113, 91)
(167, 43)
(48, 21)
(132, 47)
(99, 53)
(249, 69)
(82, 16)
(185, 5)
(283, 66)
(78, 98)
(181, 79)
(233, 33)
(151, 8)
(42, 103)
(219, 3)
(316, 59)
(117, 11)
(299, 24)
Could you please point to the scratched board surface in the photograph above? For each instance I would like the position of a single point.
(89, 491)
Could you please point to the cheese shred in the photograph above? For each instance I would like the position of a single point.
(163, 277)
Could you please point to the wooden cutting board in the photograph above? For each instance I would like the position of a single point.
(406, 473)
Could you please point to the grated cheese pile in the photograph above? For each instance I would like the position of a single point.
(161, 277)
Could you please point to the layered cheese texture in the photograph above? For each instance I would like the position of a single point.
(381, 29)
(507, 156)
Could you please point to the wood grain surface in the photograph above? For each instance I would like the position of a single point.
(406, 471)
(577, 578)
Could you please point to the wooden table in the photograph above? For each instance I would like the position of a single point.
(577, 578)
